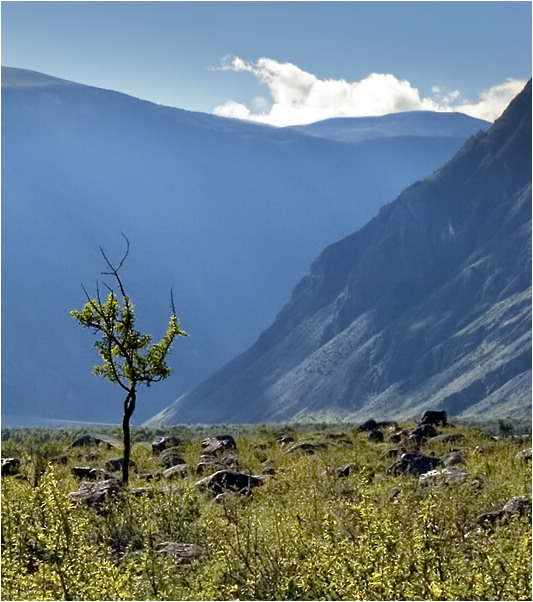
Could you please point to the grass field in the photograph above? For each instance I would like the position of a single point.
(306, 533)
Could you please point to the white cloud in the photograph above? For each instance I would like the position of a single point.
(300, 97)
(494, 101)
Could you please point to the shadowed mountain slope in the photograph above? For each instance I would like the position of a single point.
(228, 212)
(427, 306)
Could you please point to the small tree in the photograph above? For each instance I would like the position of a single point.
(129, 358)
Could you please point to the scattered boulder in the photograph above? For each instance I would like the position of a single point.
(10, 466)
(179, 470)
(375, 435)
(217, 444)
(425, 431)
(442, 476)
(229, 480)
(171, 457)
(516, 506)
(415, 464)
(452, 458)
(94, 474)
(369, 425)
(523, 456)
(96, 494)
(434, 417)
(398, 436)
(162, 442)
(210, 463)
(520, 505)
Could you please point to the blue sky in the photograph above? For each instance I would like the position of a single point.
(282, 62)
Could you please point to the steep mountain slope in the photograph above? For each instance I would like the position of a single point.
(428, 305)
(230, 213)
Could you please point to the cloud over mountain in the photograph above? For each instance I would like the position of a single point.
(300, 97)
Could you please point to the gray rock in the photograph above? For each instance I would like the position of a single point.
(162, 443)
(229, 480)
(96, 494)
(180, 470)
(94, 474)
(218, 444)
(398, 436)
(212, 462)
(435, 417)
(424, 430)
(520, 505)
(171, 457)
(452, 458)
(369, 425)
(415, 464)
(443, 476)
(376, 436)
(516, 506)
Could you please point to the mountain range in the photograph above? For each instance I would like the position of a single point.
(228, 213)
(427, 306)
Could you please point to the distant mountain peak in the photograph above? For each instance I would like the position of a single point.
(409, 123)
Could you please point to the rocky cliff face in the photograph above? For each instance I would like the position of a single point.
(428, 305)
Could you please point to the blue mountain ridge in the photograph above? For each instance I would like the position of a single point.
(229, 213)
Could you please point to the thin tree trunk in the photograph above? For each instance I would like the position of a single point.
(129, 407)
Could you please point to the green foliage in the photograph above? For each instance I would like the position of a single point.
(127, 355)
(306, 534)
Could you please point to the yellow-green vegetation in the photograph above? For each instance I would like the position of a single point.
(305, 534)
